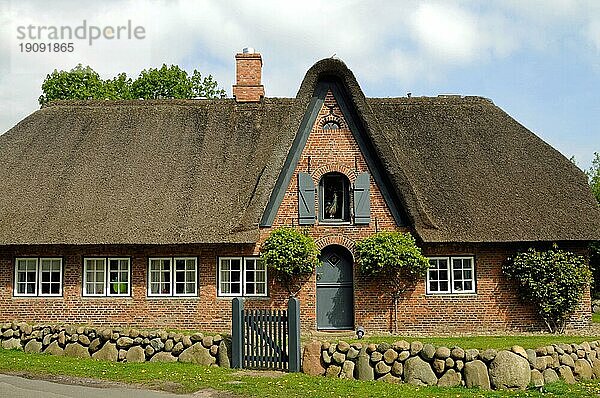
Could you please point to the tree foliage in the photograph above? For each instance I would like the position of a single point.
(594, 176)
(553, 281)
(291, 254)
(79, 83)
(394, 257)
(154, 83)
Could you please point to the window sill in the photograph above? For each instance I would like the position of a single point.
(173, 297)
(451, 295)
(259, 298)
(335, 223)
(36, 297)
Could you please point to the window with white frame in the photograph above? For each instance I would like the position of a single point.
(38, 276)
(172, 276)
(242, 276)
(106, 276)
(451, 275)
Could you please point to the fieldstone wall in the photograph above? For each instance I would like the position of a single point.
(423, 364)
(596, 306)
(115, 344)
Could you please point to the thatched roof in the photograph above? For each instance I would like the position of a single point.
(195, 171)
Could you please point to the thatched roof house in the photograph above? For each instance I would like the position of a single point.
(210, 178)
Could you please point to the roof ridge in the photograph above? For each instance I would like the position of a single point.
(440, 98)
(154, 102)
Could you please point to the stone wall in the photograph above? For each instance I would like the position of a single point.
(423, 364)
(115, 344)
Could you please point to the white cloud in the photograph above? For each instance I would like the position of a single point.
(446, 32)
(398, 41)
(593, 33)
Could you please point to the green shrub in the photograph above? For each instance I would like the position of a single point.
(595, 268)
(292, 254)
(392, 256)
(553, 281)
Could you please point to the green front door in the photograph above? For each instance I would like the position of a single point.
(335, 293)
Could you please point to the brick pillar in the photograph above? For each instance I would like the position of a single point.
(248, 71)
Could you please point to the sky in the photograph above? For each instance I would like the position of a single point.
(537, 60)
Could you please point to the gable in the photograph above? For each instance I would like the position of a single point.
(330, 103)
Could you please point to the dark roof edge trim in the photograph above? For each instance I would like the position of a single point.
(285, 176)
(375, 166)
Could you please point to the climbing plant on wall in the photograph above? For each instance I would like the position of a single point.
(394, 259)
(292, 254)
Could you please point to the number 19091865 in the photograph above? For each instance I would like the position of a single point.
(46, 47)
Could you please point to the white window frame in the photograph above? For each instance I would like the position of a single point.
(85, 280)
(172, 279)
(242, 282)
(450, 268)
(428, 280)
(472, 261)
(107, 282)
(38, 277)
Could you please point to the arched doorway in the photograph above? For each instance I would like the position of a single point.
(335, 292)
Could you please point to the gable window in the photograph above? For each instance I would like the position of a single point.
(106, 276)
(331, 126)
(451, 275)
(242, 276)
(172, 276)
(38, 277)
(334, 198)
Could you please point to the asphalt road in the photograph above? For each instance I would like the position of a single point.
(19, 387)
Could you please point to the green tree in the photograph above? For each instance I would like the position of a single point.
(206, 87)
(395, 260)
(119, 87)
(292, 254)
(78, 83)
(164, 82)
(594, 176)
(553, 281)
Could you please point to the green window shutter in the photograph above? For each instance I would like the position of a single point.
(362, 199)
(306, 199)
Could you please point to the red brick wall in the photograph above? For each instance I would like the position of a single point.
(248, 73)
(494, 307)
(205, 312)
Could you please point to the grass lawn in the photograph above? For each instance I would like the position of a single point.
(595, 318)
(189, 378)
(484, 342)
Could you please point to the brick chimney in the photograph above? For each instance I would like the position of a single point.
(248, 71)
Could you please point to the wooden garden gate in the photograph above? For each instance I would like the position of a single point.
(266, 339)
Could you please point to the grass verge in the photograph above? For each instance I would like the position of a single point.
(484, 342)
(185, 378)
